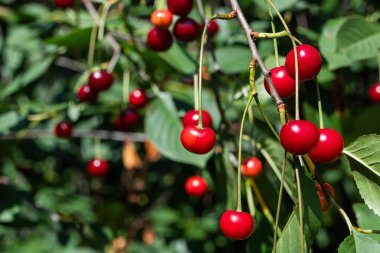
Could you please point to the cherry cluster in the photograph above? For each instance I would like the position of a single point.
(98, 81)
(185, 28)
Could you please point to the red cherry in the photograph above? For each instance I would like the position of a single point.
(192, 118)
(236, 225)
(64, 3)
(161, 18)
(180, 7)
(159, 40)
(309, 62)
(138, 98)
(87, 94)
(198, 141)
(323, 199)
(63, 129)
(185, 29)
(251, 167)
(212, 28)
(374, 93)
(130, 118)
(284, 84)
(118, 123)
(299, 136)
(97, 167)
(329, 147)
(100, 80)
(196, 186)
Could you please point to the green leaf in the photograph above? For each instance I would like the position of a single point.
(289, 241)
(348, 245)
(358, 39)
(273, 154)
(364, 157)
(163, 128)
(328, 44)
(233, 59)
(76, 38)
(367, 219)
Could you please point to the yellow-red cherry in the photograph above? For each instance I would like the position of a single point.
(299, 137)
(236, 225)
(63, 129)
(284, 84)
(138, 98)
(374, 93)
(192, 118)
(309, 62)
(180, 7)
(251, 167)
(98, 167)
(87, 94)
(323, 199)
(212, 28)
(161, 18)
(159, 40)
(329, 147)
(100, 80)
(64, 3)
(198, 141)
(196, 186)
(185, 29)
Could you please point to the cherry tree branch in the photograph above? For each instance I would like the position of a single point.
(102, 134)
(254, 52)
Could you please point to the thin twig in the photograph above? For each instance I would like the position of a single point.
(254, 52)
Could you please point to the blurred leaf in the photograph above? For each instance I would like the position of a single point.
(364, 157)
(8, 120)
(163, 128)
(35, 70)
(359, 243)
(281, 5)
(76, 38)
(358, 39)
(233, 59)
(179, 59)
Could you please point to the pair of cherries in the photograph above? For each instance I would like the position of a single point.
(233, 224)
(283, 77)
(300, 137)
(194, 139)
(185, 29)
(130, 117)
(98, 81)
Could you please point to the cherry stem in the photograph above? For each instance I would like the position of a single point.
(126, 85)
(239, 206)
(196, 88)
(203, 42)
(250, 200)
(91, 47)
(103, 16)
(279, 203)
(98, 149)
(300, 204)
(263, 204)
(320, 110)
(275, 45)
(266, 119)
